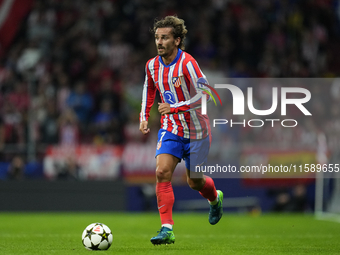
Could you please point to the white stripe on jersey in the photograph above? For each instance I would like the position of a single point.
(145, 92)
(193, 114)
(186, 94)
(173, 91)
(186, 130)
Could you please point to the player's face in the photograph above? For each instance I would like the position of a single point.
(165, 42)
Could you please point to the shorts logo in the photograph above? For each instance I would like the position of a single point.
(169, 97)
(159, 145)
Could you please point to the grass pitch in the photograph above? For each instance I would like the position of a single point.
(60, 233)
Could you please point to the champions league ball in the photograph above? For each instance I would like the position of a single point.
(97, 236)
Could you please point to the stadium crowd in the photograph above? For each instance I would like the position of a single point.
(75, 70)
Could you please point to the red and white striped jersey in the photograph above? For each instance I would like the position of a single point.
(176, 83)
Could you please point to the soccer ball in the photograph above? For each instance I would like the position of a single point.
(97, 236)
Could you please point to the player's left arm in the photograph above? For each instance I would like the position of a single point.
(198, 82)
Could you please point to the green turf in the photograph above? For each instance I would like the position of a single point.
(60, 233)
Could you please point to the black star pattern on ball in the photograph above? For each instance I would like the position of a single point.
(95, 247)
(105, 236)
(89, 233)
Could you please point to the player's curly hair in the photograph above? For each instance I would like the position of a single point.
(179, 29)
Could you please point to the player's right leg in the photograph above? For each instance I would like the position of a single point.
(168, 154)
(166, 165)
(165, 236)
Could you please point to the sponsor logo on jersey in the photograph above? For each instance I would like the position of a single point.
(169, 97)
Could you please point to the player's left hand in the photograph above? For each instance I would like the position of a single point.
(164, 108)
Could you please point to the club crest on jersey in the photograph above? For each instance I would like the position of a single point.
(176, 81)
(169, 97)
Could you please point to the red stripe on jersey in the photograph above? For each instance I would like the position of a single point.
(155, 75)
(165, 78)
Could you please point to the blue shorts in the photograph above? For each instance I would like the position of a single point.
(194, 152)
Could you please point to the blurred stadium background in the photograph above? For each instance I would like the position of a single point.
(71, 75)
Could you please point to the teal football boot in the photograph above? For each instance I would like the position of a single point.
(165, 236)
(216, 211)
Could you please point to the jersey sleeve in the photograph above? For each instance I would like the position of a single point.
(197, 79)
(148, 96)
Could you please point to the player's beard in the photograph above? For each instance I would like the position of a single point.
(164, 52)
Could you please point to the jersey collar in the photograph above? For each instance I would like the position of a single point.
(174, 61)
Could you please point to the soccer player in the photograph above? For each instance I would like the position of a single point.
(185, 132)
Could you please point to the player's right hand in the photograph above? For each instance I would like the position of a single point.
(143, 127)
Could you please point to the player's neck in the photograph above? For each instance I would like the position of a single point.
(168, 60)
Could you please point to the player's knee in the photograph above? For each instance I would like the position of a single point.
(195, 184)
(163, 174)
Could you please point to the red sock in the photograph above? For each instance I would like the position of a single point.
(209, 191)
(165, 201)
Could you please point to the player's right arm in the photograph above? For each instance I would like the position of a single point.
(148, 98)
(143, 127)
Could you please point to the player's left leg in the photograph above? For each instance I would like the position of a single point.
(206, 187)
(197, 155)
